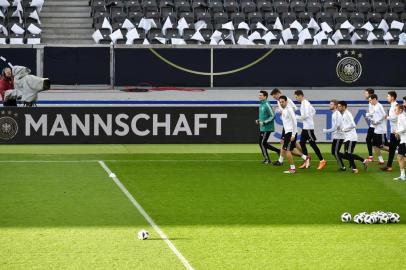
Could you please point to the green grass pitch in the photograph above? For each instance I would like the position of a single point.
(217, 204)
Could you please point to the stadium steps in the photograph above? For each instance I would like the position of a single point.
(66, 22)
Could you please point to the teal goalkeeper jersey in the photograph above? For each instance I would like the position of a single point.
(267, 116)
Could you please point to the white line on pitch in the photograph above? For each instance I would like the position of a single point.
(146, 216)
(140, 160)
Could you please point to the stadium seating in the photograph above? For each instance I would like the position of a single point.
(20, 22)
(249, 22)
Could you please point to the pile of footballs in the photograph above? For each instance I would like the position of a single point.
(378, 217)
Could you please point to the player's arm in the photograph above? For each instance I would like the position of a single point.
(294, 107)
(271, 114)
(382, 115)
(352, 123)
(401, 128)
(294, 122)
(335, 126)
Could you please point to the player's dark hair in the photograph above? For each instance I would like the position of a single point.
(393, 94)
(404, 98)
(275, 91)
(265, 93)
(335, 101)
(400, 107)
(373, 96)
(370, 91)
(343, 103)
(299, 93)
(284, 98)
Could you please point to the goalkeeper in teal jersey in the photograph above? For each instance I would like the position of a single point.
(266, 122)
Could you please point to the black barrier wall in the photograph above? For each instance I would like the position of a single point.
(19, 57)
(128, 125)
(234, 67)
(215, 66)
(72, 66)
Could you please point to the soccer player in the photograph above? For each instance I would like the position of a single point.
(401, 134)
(307, 113)
(378, 119)
(290, 127)
(276, 94)
(338, 134)
(393, 120)
(351, 138)
(370, 135)
(266, 122)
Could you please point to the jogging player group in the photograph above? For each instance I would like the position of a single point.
(343, 131)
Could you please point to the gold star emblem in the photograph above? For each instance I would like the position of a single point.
(339, 54)
(345, 52)
(9, 112)
(360, 55)
(16, 114)
(3, 112)
(352, 52)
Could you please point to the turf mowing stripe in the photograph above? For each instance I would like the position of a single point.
(146, 216)
(143, 160)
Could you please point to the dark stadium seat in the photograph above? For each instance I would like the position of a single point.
(216, 6)
(264, 6)
(237, 18)
(247, 6)
(219, 19)
(133, 6)
(297, 6)
(281, 7)
(216, 13)
(380, 6)
(231, 6)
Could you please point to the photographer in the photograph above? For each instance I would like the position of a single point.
(6, 83)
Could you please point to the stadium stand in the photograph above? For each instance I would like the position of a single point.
(20, 21)
(249, 22)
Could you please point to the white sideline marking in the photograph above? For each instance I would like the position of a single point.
(146, 216)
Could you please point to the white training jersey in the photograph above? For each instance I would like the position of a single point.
(290, 104)
(379, 117)
(337, 126)
(307, 113)
(401, 127)
(289, 120)
(393, 118)
(349, 127)
(370, 111)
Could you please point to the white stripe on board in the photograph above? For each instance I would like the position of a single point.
(146, 216)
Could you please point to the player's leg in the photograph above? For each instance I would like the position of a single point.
(279, 162)
(263, 137)
(269, 146)
(316, 149)
(368, 140)
(350, 152)
(378, 142)
(401, 161)
(288, 147)
(302, 153)
(335, 151)
(303, 140)
(393, 144)
(357, 157)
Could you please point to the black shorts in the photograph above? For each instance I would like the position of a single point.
(283, 133)
(288, 145)
(379, 140)
(402, 150)
(307, 135)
